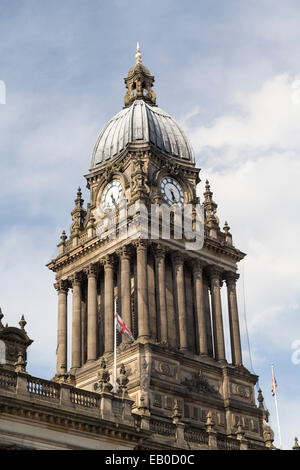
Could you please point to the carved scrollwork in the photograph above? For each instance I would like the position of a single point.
(199, 384)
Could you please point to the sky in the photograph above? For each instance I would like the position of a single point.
(229, 73)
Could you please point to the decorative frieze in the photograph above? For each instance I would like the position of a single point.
(163, 368)
(199, 384)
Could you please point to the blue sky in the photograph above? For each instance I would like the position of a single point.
(229, 73)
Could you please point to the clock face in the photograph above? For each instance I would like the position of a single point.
(171, 191)
(111, 195)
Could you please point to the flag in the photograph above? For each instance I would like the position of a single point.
(122, 328)
(274, 385)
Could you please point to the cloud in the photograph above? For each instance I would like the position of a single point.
(252, 160)
(265, 119)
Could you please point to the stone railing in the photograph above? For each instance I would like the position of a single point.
(162, 428)
(196, 435)
(227, 443)
(84, 398)
(256, 446)
(42, 387)
(8, 379)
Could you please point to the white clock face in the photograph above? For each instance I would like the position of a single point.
(171, 191)
(111, 195)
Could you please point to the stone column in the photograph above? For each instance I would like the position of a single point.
(92, 328)
(62, 326)
(215, 286)
(161, 285)
(180, 290)
(76, 321)
(83, 324)
(142, 289)
(200, 310)
(235, 338)
(125, 288)
(209, 335)
(108, 304)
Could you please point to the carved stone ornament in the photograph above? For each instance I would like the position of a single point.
(199, 384)
(164, 368)
(122, 381)
(241, 391)
(103, 384)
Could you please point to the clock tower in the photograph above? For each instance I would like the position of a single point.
(149, 244)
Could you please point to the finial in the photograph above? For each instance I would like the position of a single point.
(296, 445)
(226, 227)
(138, 54)
(63, 236)
(20, 365)
(1, 316)
(260, 399)
(176, 416)
(240, 433)
(22, 322)
(209, 422)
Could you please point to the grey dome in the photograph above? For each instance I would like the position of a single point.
(141, 123)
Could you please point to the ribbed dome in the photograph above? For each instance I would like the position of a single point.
(141, 123)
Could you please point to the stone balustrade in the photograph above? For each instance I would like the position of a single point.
(8, 380)
(106, 406)
(43, 388)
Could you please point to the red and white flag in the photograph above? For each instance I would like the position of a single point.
(122, 328)
(274, 385)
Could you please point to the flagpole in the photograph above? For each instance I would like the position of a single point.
(115, 347)
(276, 406)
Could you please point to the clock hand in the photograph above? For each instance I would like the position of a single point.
(113, 199)
(173, 195)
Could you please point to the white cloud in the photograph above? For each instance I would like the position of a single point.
(267, 118)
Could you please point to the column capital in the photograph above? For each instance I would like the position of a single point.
(91, 270)
(215, 274)
(231, 277)
(108, 262)
(197, 266)
(125, 252)
(177, 258)
(62, 285)
(75, 279)
(159, 250)
(140, 244)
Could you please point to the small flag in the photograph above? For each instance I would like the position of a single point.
(274, 385)
(122, 328)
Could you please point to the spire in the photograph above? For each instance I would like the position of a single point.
(296, 445)
(78, 214)
(138, 54)
(22, 323)
(139, 82)
(210, 208)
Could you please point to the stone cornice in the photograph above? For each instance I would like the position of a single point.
(91, 245)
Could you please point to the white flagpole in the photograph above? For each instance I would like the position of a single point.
(115, 347)
(276, 406)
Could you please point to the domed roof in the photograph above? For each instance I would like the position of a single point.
(141, 123)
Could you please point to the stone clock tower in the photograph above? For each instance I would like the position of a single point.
(177, 369)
